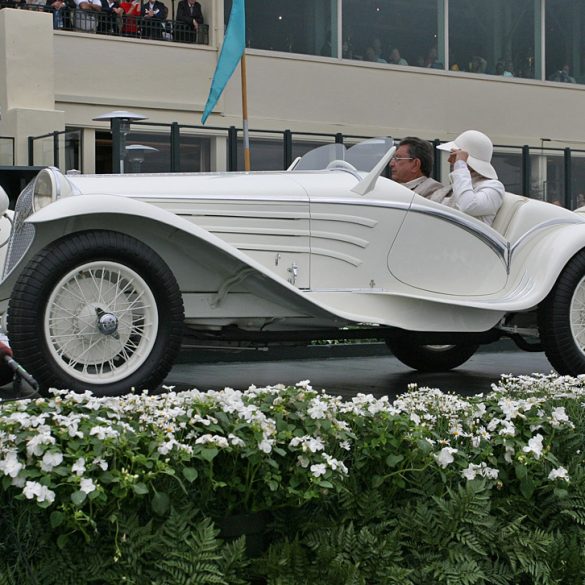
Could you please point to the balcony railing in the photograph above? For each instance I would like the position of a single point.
(127, 25)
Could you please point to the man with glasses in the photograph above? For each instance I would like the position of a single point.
(412, 165)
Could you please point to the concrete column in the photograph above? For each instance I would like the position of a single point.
(27, 96)
(219, 153)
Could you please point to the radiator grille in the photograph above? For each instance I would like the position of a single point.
(23, 233)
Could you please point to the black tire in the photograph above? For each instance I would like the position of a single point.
(430, 358)
(561, 319)
(97, 311)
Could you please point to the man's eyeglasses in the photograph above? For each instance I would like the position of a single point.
(402, 158)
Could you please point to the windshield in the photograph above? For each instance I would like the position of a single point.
(361, 157)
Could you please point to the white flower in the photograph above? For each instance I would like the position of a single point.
(445, 456)
(265, 445)
(101, 463)
(34, 445)
(42, 493)
(103, 433)
(534, 446)
(481, 470)
(317, 408)
(215, 440)
(51, 460)
(559, 473)
(559, 416)
(318, 469)
(78, 467)
(87, 486)
(10, 465)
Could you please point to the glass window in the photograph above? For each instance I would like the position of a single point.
(148, 152)
(402, 32)
(495, 37)
(6, 151)
(565, 41)
(302, 26)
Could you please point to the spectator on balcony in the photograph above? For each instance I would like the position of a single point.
(60, 13)
(396, 59)
(131, 17)
(189, 17)
(110, 21)
(86, 15)
(153, 14)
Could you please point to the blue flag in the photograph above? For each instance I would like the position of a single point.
(232, 50)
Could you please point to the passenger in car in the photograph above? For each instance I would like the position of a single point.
(412, 165)
(476, 189)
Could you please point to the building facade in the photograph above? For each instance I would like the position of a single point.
(319, 68)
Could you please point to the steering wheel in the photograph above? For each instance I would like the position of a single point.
(341, 164)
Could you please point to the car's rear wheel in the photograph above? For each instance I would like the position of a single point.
(561, 319)
(96, 311)
(430, 358)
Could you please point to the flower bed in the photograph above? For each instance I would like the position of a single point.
(431, 488)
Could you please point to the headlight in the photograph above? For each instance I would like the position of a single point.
(49, 186)
(44, 190)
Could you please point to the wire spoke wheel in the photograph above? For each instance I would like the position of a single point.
(97, 311)
(101, 322)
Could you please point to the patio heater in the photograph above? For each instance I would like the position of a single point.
(136, 153)
(120, 121)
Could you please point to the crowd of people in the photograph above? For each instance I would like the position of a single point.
(148, 19)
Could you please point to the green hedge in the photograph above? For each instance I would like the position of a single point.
(432, 488)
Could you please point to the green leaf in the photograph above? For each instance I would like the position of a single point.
(190, 474)
(209, 454)
(521, 470)
(56, 518)
(527, 487)
(78, 497)
(377, 481)
(62, 541)
(140, 488)
(394, 460)
(161, 503)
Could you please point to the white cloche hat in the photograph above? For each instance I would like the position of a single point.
(480, 149)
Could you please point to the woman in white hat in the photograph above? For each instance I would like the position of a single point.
(476, 189)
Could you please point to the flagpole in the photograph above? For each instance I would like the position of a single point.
(245, 112)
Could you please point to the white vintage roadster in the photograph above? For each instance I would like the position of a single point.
(104, 277)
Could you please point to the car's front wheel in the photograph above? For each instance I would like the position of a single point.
(430, 358)
(561, 319)
(97, 311)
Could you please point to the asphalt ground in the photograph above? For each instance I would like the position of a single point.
(347, 371)
(339, 370)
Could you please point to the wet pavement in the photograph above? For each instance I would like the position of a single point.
(375, 374)
(340, 371)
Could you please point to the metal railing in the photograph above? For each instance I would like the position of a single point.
(552, 174)
(62, 149)
(128, 25)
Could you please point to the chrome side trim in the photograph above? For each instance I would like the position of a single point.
(485, 233)
(523, 239)
(481, 230)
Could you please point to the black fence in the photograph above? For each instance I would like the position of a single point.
(556, 175)
(126, 21)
